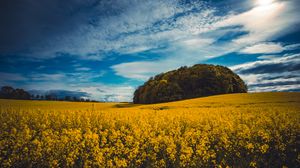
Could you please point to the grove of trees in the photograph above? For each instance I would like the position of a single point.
(189, 82)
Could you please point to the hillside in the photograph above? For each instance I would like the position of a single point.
(235, 130)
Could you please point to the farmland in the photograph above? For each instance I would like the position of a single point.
(236, 130)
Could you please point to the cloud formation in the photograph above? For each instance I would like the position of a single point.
(278, 74)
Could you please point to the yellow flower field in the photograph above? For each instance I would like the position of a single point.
(236, 130)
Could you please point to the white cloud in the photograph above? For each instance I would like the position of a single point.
(265, 23)
(266, 57)
(138, 70)
(263, 48)
(268, 48)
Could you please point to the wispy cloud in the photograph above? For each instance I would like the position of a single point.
(265, 57)
(263, 48)
(268, 48)
(82, 69)
(46, 77)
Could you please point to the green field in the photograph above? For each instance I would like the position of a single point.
(235, 130)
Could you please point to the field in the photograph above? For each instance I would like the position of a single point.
(236, 130)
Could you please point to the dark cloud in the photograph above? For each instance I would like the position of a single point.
(29, 23)
(279, 83)
(277, 65)
(282, 76)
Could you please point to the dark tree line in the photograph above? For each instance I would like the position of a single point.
(8, 92)
(189, 82)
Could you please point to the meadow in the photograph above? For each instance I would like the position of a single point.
(234, 130)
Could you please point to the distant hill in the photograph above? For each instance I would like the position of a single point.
(189, 82)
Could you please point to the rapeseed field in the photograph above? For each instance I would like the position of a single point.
(235, 130)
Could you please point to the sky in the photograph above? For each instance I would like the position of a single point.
(105, 49)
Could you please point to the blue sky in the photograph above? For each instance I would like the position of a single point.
(105, 49)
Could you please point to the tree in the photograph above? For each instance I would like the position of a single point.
(189, 82)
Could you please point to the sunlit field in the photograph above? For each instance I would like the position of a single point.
(236, 130)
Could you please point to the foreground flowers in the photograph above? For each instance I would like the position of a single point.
(258, 130)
